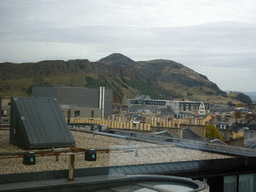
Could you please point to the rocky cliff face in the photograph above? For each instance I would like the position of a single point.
(158, 78)
(165, 71)
(240, 97)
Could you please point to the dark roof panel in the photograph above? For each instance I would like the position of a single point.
(189, 134)
(250, 143)
(38, 123)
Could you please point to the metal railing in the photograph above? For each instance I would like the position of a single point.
(198, 145)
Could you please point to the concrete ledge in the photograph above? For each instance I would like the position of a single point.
(93, 183)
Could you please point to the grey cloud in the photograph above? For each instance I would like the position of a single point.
(199, 42)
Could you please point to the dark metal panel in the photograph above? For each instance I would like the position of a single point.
(41, 113)
(158, 168)
(164, 167)
(113, 171)
(108, 103)
(143, 169)
(33, 176)
(171, 167)
(18, 135)
(178, 166)
(116, 171)
(184, 165)
(192, 165)
(128, 170)
(135, 169)
(95, 171)
(150, 168)
(41, 122)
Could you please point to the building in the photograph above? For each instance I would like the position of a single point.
(73, 113)
(78, 102)
(242, 109)
(202, 109)
(5, 110)
(189, 106)
(145, 100)
(222, 109)
(144, 105)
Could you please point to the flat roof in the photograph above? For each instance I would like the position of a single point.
(129, 153)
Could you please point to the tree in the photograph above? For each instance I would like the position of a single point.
(212, 131)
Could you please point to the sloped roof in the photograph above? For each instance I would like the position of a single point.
(250, 143)
(215, 141)
(164, 133)
(208, 118)
(237, 127)
(143, 97)
(189, 134)
(38, 123)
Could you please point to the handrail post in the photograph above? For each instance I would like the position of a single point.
(93, 135)
(136, 152)
(71, 167)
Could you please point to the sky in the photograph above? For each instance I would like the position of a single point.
(214, 38)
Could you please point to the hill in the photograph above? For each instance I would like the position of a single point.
(161, 79)
(241, 97)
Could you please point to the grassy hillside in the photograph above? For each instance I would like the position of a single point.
(120, 85)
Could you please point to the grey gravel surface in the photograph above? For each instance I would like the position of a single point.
(146, 153)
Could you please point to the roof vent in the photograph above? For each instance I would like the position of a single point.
(38, 123)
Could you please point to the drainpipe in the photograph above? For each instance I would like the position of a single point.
(100, 98)
(103, 103)
(0, 111)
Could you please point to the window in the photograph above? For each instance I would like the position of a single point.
(230, 183)
(4, 113)
(246, 182)
(92, 113)
(77, 113)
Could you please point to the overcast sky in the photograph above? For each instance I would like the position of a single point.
(215, 38)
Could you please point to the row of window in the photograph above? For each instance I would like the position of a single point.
(193, 106)
(155, 103)
(149, 102)
(234, 183)
(77, 113)
(240, 183)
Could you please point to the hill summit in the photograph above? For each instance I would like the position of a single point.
(117, 59)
